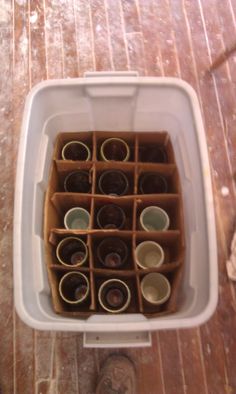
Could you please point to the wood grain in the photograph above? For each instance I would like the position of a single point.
(64, 38)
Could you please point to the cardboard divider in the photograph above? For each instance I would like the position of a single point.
(63, 138)
(128, 137)
(58, 202)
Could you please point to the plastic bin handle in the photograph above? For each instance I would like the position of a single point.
(114, 339)
(93, 74)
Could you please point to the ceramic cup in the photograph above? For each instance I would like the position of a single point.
(114, 295)
(77, 182)
(154, 218)
(77, 219)
(113, 182)
(155, 288)
(114, 149)
(111, 216)
(72, 251)
(76, 150)
(153, 154)
(74, 287)
(149, 254)
(112, 252)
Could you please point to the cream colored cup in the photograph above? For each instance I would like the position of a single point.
(121, 153)
(155, 288)
(154, 218)
(84, 155)
(74, 287)
(149, 254)
(77, 219)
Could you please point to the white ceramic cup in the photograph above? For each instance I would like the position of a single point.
(155, 288)
(74, 287)
(77, 219)
(154, 218)
(149, 254)
(114, 284)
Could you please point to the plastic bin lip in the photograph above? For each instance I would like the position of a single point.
(75, 325)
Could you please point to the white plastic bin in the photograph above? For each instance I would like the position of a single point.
(113, 102)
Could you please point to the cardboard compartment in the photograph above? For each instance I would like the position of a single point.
(128, 137)
(63, 168)
(125, 203)
(63, 138)
(147, 179)
(170, 203)
(62, 202)
(106, 247)
(82, 309)
(130, 281)
(127, 169)
(170, 242)
(155, 148)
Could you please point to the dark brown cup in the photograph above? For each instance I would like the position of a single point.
(77, 182)
(153, 154)
(112, 252)
(152, 183)
(114, 296)
(76, 150)
(111, 216)
(113, 182)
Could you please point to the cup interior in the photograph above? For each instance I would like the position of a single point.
(115, 149)
(77, 182)
(74, 287)
(114, 296)
(72, 251)
(76, 150)
(154, 219)
(149, 254)
(111, 216)
(113, 182)
(155, 288)
(112, 252)
(153, 183)
(77, 218)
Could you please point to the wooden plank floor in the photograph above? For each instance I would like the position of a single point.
(41, 39)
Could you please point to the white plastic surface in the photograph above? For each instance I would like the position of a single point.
(122, 103)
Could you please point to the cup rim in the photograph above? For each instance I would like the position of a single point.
(107, 140)
(74, 209)
(105, 173)
(78, 143)
(166, 297)
(145, 210)
(125, 306)
(111, 238)
(139, 246)
(69, 175)
(61, 283)
(76, 239)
